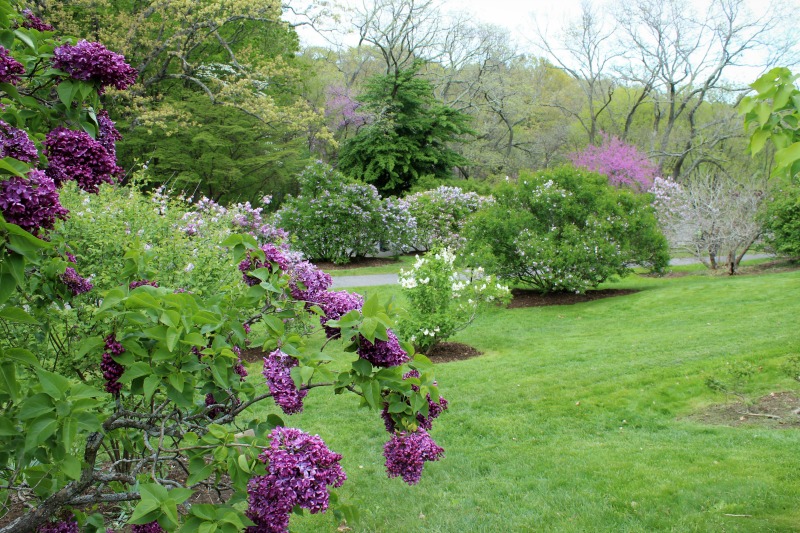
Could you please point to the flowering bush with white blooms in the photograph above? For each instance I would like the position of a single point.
(335, 218)
(441, 213)
(565, 230)
(443, 299)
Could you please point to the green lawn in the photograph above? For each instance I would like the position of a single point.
(403, 261)
(576, 418)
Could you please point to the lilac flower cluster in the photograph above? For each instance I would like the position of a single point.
(299, 469)
(134, 284)
(406, 454)
(90, 61)
(151, 527)
(274, 256)
(441, 214)
(336, 304)
(111, 369)
(32, 203)
(75, 155)
(307, 281)
(383, 353)
(238, 367)
(425, 422)
(10, 68)
(15, 143)
(75, 283)
(62, 526)
(107, 134)
(277, 371)
(33, 22)
(215, 411)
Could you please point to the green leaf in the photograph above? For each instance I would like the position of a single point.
(21, 355)
(151, 383)
(35, 406)
(7, 428)
(7, 286)
(173, 335)
(38, 432)
(177, 380)
(66, 92)
(15, 314)
(136, 370)
(787, 156)
(7, 39)
(71, 466)
(371, 306)
(13, 166)
(198, 475)
(27, 40)
(53, 385)
(758, 140)
(90, 344)
(8, 380)
(362, 366)
(242, 460)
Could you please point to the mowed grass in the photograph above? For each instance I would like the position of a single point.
(577, 418)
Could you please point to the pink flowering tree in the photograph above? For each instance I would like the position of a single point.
(163, 412)
(623, 163)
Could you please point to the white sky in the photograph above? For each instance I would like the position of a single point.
(521, 17)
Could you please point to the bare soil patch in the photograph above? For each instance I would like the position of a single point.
(777, 410)
(445, 352)
(534, 298)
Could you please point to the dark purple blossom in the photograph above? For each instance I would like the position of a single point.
(111, 369)
(15, 143)
(75, 155)
(214, 412)
(74, 282)
(425, 422)
(151, 527)
(274, 257)
(299, 469)
(307, 281)
(90, 61)
(10, 68)
(62, 526)
(32, 203)
(336, 304)
(406, 454)
(238, 367)
(277, 371)
(138, 283)
(383, 353)
(107, 134)
(33, 22)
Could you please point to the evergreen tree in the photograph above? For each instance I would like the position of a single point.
(407, 136)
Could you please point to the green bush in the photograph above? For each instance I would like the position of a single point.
(440, 215)
(336, 218)
(782, 223)
(565, 230)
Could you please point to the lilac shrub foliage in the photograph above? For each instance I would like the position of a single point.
(440, 215)
(149, 372)
(623, 163)
(335, 218)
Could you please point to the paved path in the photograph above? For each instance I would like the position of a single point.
(342, 282)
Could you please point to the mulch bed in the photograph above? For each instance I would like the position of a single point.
(444, 352)
(777, 410)
(534, 298)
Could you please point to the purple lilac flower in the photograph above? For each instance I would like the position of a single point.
(274, 256)
(315, 281)
(74, 282)
(336, 304)
(75, 155)
(151, 527)
(33, 22)
(238, 367)
(62, 526)
(89, 61)
(277, 371)
(425, 422)
(406, 454)
(134, 284)
(15, 143)
(216, 411)
(111, 369)
(10, 68)
(383, 353)
(299, 469)
(32, 203)
(107, 134)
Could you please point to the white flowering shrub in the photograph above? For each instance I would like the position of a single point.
(441, 213)
(443, 300)
(565, 230)
(335, 218)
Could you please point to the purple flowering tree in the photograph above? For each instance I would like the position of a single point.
(623, 163)
(153, 421)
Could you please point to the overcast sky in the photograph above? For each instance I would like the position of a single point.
(521, 18)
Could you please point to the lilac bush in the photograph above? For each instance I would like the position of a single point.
(440, 215)
(75, 155)
(623, 163)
